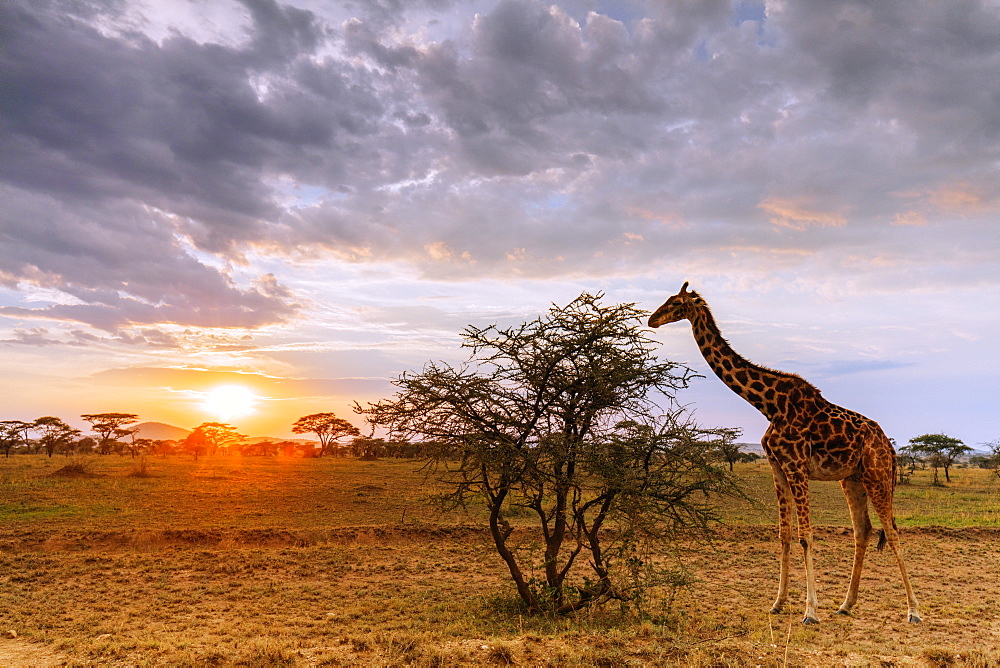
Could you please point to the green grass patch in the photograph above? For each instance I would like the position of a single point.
(971, 499)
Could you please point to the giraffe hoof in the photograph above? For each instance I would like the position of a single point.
(775, 610)
(845, 613)
(809, 621)
(915, 619)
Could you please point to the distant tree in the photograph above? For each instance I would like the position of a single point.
(367, 448)
(327, 427)
(56, 435)
(443, 450)
(370, 448)
(126, 439)
(402, 449)
(991, 461)
(289, 449)
(140, 446)
(940, 451)
(84, 445)
(906, 462)
(727, 447)
(210, 437)
(936, 461)
(258, 449)
(76, 445)
(308, 450)
(556, 420)
(13, 433)
(105, 425)
(163, 447)
(194, 444)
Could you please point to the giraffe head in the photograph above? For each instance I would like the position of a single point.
(676, 308)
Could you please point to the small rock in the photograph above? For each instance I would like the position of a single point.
(11, 634)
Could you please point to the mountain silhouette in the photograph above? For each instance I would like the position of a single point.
(159, 431)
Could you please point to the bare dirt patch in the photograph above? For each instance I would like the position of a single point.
(16, 653)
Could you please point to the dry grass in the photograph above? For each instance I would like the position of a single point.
(262, 562)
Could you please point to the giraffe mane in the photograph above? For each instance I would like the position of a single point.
(700, 301)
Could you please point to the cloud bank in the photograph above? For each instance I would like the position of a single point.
(151, 158)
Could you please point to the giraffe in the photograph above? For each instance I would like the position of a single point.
(809, 438)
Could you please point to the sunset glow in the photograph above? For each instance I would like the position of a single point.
(229, 401)
(300, 201)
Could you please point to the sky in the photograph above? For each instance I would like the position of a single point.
(306, 199)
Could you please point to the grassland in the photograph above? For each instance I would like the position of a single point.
(259, 562)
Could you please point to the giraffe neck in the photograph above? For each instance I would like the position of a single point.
(769, 391)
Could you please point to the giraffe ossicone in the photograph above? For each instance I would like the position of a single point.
(809, 438)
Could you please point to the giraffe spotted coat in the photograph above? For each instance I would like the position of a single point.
(809, 438)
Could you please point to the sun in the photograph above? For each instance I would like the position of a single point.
(229, 401)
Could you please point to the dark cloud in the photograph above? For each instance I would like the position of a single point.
(116, 149)
(283, 33)
(121, 265)
(508, 138)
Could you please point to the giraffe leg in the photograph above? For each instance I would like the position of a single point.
(881, 496)
(784, 535)
(799, 486)
(857, 501)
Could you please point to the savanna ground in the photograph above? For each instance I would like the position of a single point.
(259, 562)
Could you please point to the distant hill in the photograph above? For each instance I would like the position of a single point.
(261, 439)
(161, 432)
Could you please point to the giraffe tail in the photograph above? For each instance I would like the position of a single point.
(881, 540)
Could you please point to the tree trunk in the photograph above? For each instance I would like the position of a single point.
(604, 586)
(553, 545)
(500, 535)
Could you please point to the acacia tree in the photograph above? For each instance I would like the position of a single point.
(13, 432)
(327, 427)
(105, 425)
(727, 447)
(210, 437)
(259, 449)
(906, 462)
(85, 445)
(940, 451)
(992, 461)
(56, 434)
(163, 447)
(560, 418)
(133, 445)
(139, 446)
